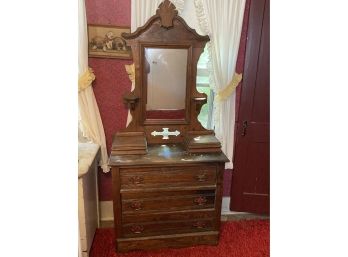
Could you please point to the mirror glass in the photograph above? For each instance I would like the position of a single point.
(165, 79)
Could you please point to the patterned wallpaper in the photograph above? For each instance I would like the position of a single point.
(112, 80)
(112, 12)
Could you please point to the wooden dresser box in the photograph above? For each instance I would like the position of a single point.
(167, 171)
(167, 198)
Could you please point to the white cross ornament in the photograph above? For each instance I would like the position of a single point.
(165, 133)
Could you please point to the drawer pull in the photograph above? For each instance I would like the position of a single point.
(136, 180)
(137, 229)
(199, 224)
(136, 206)
(201, 177)
(201, 200)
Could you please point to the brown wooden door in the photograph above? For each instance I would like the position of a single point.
(250, 189)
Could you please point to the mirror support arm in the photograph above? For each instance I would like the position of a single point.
(130, 100)
(200, 101)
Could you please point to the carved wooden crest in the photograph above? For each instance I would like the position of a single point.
(167, 11)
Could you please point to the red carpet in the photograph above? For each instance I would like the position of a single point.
(246, 238)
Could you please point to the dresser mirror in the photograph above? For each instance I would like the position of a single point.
(165, 73)
(165, 103)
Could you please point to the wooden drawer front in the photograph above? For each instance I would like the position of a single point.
(159, 177)
(166, 228)
(169, 202)
(172, 216)
(131, 195)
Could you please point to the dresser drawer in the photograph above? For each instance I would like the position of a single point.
(168, 201)
(166, 216)
(166, 228)
(167, 176)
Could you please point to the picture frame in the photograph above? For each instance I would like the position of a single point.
(105, 41)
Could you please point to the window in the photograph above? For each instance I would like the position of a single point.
(202, 83)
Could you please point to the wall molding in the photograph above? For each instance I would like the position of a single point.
(106, 211)
(225, 206)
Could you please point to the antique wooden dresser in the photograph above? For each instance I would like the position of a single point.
(167, 169)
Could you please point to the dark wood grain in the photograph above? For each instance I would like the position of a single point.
(158, 216)
(116, 200)
(176, 190)
(129, 143)
(164, 241)
(166, 203)
(218, 195)
(167, 155)
(162, 176)
(168, 196)
(167, 228)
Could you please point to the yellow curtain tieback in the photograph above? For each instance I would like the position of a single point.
(227, 91)
(130, 69)
(86, 79)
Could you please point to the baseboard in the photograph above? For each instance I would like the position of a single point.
(225, 207)
(106, 211)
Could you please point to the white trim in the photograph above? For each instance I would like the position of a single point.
(106, 211)
(225, 207)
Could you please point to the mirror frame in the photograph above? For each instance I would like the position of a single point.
(165, 30)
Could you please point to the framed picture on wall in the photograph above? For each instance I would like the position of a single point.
(105, 41)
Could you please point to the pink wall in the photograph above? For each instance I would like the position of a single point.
(112, 80)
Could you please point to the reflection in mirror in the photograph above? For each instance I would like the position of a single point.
(202, 84)
(165, 74)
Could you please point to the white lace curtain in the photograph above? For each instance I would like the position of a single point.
(90, 121)
(222, 20)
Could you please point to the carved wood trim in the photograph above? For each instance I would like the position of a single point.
(167, 11)
(157, 17)
(130, 100)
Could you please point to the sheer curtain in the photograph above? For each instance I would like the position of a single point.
(90, 121)
(222, 20)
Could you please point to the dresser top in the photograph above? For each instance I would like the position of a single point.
(166, 154)
(88, 152)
